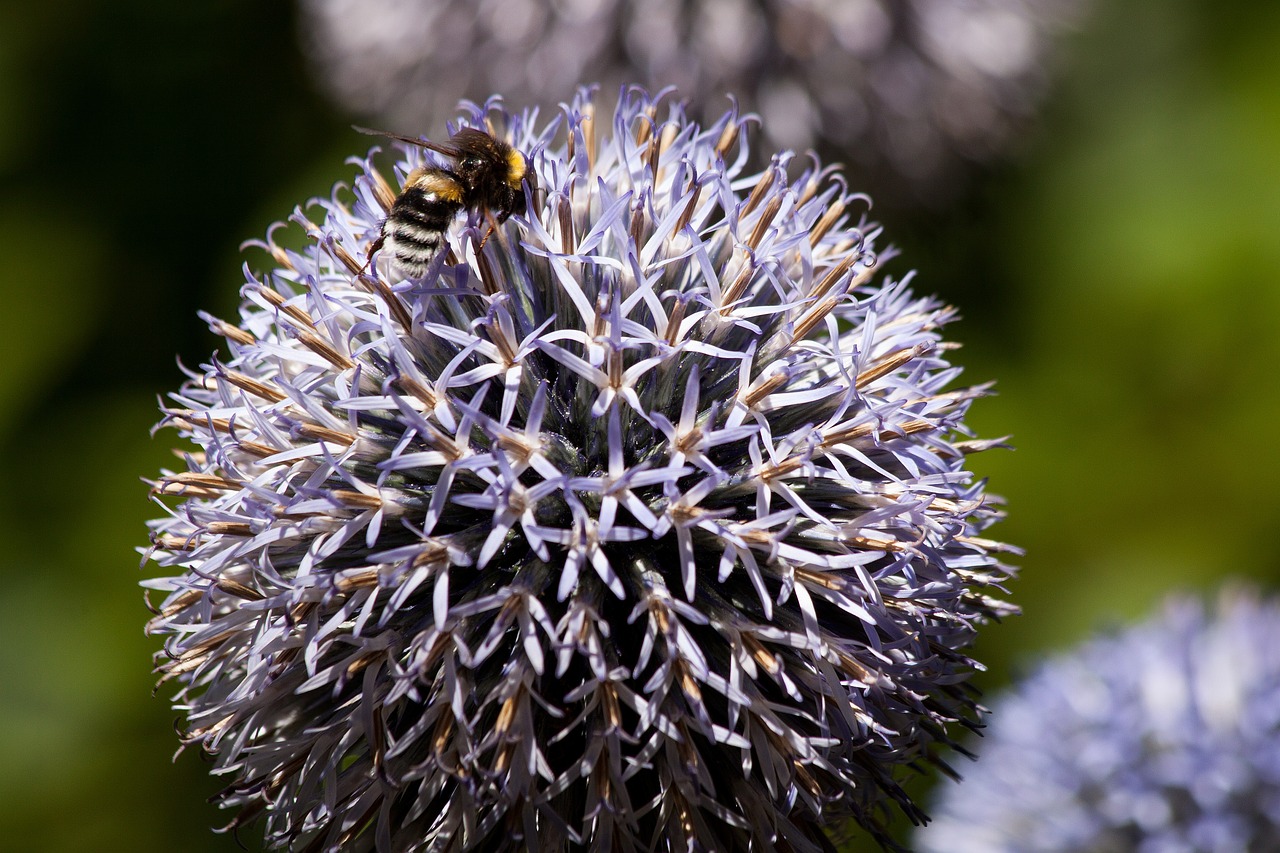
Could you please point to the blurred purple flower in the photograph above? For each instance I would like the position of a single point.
(1162, 738)
(641, 522)
(919, 87)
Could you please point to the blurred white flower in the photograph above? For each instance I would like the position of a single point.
(1162, 738)
(919, 87)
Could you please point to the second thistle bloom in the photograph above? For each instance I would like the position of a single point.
(1162, 737)
(641, 519)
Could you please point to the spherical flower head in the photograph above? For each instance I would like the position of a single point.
(640, 520)
(916, 88)
(1163, 738)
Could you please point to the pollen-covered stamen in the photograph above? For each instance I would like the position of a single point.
(195, 484)
(588, 125)
(335, 248)
(732, 294)
(253, 386)
(232, 333)
(728, 138)
(644, 122)
(382, 191)
(305, 330)
(564, 218)
(690, 205)
(837, 273)
(341, 438)
(278, 253)
(833, 214)
(764, 221)
(675, 323)
(356, 500)
(653, 146)
(183, 419)
(615, 366)
(639, 229)
(752, 396)
(888, 364)
(420, 392)
(811, 318)
(394, 304)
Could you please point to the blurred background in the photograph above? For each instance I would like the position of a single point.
(1114, 252)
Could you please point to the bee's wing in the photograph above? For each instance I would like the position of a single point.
(446, 150)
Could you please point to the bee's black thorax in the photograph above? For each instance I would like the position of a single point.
(486, 187)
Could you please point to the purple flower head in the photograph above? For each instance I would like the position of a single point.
(640, 520)
(1162, 738)
(915, 88)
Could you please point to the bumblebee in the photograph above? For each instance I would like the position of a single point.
(488, 176)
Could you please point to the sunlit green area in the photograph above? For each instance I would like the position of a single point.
(1119, 279)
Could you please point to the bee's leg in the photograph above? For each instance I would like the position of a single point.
(368, 256)
(493, 226)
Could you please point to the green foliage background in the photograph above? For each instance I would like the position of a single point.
(1119, 278)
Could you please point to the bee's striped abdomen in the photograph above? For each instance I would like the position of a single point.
(415, 225)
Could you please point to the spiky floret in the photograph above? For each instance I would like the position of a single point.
(644, 525)
(1163, 736)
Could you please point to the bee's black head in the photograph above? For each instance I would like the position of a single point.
(491, 172)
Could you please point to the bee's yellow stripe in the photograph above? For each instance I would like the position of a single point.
(435, 182)
(516, 168)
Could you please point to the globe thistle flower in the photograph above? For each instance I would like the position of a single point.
(916, 88)
(1165, 737)
(639, 521)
